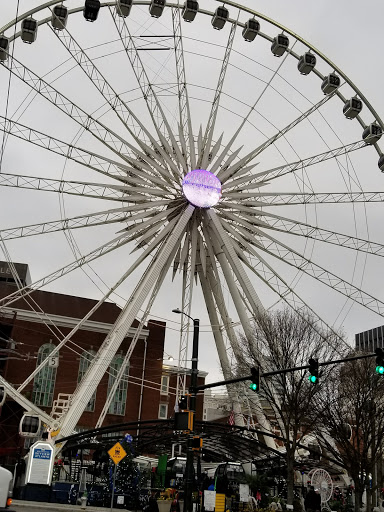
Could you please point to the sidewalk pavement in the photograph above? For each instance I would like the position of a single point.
(21, 505)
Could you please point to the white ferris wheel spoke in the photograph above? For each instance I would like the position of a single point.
(57, 274)
(249, 218)
(324, 235)
(300, 198)
(185, 123)
(143, 168)
(116, 215)
(225, 174)
(293, 258)
(124, 113)
(101, 132)
(155, 110)
(203, 159)
(219, 160)
(75, 188)
(98, 163)
(276, 172)
(266, 273)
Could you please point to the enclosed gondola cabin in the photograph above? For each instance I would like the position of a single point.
(219, 18)
(59, 17)
(306, 63)
(330, 83)
(156, 8)
(29, 30)
(352, 108)
(380, 163)
(251, 29)
(190, 10)
(372, 133)
(4, 46)
(123, 7)
(30, 425)
(279, 45)
(91, 10)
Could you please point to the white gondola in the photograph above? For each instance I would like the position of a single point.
(219, 18)
(123, 7)
(280, 44)
(352, 108)
(3, 395)
(190, 10)
(4, 46)
(306, 63)
(380, 163)
(30, 425)
(29, 30)
(91, 10)
(156, 8)
(251, 29)
(372, 133)
(330, 83)
(59, 17)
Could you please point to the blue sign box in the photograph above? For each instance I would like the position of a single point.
(42, 454)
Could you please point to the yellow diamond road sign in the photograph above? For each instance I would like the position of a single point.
(117, 453)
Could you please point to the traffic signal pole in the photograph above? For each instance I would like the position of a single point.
(189, 481)
(285, 370)
(188, 505)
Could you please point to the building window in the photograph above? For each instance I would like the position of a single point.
(163, 411)
(44, 382)
(85, 362)
(119, 398)
(164, 385)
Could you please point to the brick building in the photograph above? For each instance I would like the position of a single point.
(26, 338)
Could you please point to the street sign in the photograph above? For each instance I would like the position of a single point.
(117, 453)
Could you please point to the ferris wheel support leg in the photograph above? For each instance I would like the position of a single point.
(236, 265)
(132, 346)
(220, 346)
(112, 342)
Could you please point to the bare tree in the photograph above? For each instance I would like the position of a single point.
(352, 423)
(282, 340)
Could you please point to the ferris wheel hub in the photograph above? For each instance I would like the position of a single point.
(202, 188)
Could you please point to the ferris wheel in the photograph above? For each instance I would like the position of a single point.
(151, 140)
(322, 482)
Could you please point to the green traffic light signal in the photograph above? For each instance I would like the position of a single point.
(253, 386)
(312, 378)
(380, 370)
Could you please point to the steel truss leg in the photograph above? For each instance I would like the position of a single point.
(112, 342)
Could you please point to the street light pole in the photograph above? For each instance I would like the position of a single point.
(188, 489)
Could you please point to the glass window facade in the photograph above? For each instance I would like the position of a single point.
(44, 382)
(119, 399)
(85, 361)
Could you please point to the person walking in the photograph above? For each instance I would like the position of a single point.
(312, 501)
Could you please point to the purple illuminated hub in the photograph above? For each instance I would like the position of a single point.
(202, 188)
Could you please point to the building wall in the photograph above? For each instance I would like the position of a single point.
(369, 340)
(20, 324)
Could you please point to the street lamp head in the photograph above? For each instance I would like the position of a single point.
(177, 310)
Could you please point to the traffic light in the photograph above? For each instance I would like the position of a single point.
(255, 386)
(183, 403)
(197, 443)
(313, 370)
(379, 361)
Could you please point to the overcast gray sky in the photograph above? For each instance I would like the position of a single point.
(347, 32)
